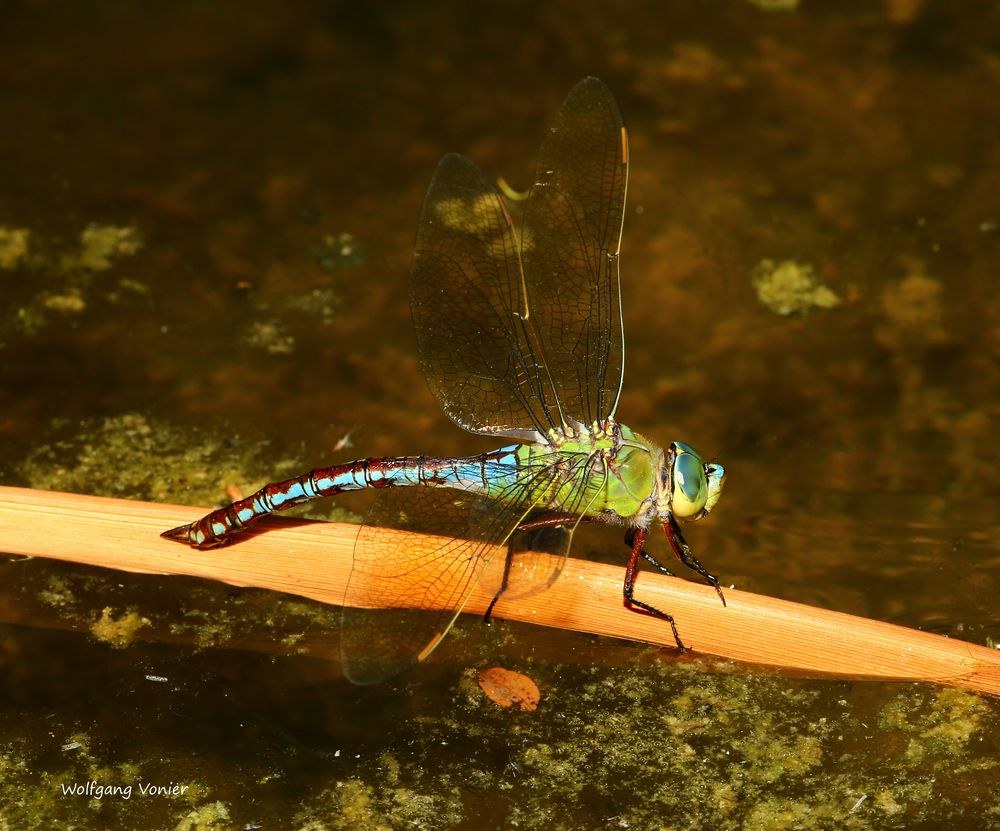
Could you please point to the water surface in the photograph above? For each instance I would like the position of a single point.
(205, 232)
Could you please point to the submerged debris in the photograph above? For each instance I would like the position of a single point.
(118, 632)
(787, 287)
(64, 279)
(509, 689)
(337, 251)
(13, 246)
(100, 245)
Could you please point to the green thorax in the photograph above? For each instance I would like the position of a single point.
(607, 474)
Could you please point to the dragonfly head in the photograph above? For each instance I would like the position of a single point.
(691, 486)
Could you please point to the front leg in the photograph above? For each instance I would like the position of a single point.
(649, 558)
(637, 538)
(686, 555)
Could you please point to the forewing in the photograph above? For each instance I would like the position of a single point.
(569, 249)
(468, 304)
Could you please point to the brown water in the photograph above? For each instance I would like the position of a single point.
(206, 219)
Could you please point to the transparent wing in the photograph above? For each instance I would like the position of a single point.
(468, 304)
(404, 594)
(569, 249)
(519, 348)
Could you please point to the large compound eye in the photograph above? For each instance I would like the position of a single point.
(690, 486)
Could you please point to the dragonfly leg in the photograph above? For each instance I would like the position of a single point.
(686, 555)
(638, 537)
(649, 558)
(534, 524)
(508, 561)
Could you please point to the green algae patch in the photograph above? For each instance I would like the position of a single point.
(70, 302)
(118, 632)
(788, 287)
(338, 251)
(58, 594)
(174, 610)
(353, 804)
(64, 277)
(270, 336)
(940, 727)
(133, 456)
(651, 742)
(213, 816)
(74, 782)
(708, 749)
(13, 247)
(101, 245)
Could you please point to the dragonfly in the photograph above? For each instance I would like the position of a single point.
(520, 336)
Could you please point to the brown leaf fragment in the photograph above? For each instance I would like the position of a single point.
(508, 688)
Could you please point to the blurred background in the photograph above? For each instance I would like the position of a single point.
(207, 212)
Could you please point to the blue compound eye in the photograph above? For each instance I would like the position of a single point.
(695, 485)
(690, 491)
